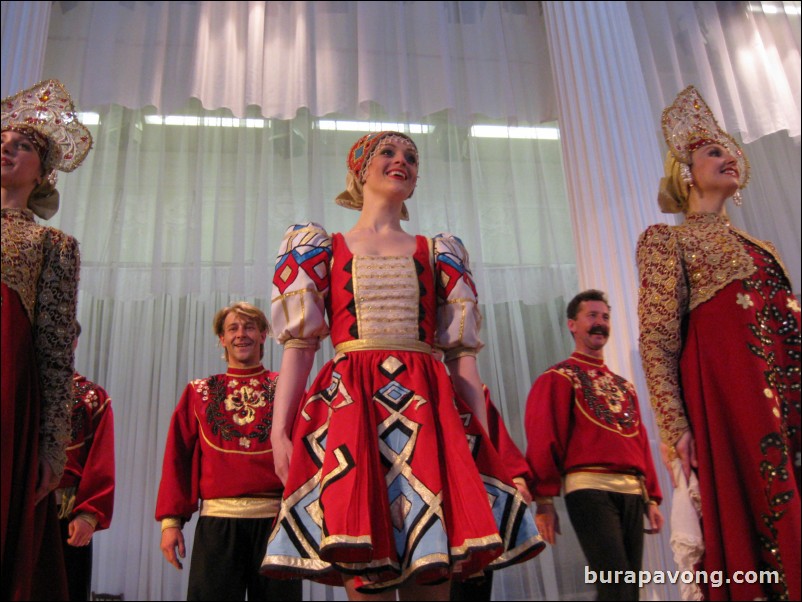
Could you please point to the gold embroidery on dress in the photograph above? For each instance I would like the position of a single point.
(41, 264)
(386, 296)
(680, 268)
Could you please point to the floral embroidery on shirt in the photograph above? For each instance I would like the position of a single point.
(744, 300)
(244, 442)
(608, 399)
(243, 402)
(605, 388)
(232, 409)
(793, 305)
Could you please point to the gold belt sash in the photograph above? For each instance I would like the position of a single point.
(383, 344)
(241, 507)
(605, 481)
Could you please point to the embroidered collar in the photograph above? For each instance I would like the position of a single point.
(240, 372)
(16, 212)
(708, 218)
(587, 359)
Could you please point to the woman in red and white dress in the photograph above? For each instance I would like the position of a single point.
(385, 460)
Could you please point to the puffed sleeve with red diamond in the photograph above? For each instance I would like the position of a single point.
(458, 316)
(300, 285)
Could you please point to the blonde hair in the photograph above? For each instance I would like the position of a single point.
(674, 190)
(242, 308)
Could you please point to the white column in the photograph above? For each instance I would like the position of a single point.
(24, 38)
(612, 152)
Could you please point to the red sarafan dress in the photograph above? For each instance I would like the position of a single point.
(39, 293)
(720, 340)
(383, 481)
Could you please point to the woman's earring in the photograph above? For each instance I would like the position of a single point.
(736, 198)
(685, 174)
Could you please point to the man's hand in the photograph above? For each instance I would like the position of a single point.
(173, 538)
(47, 481)
(80, 532)
(548, 523)
(656, 519)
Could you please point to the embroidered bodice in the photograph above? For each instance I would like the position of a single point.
(426, 298)
(680, 268)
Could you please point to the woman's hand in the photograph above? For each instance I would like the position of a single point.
(282, 453)
(685, 450)
(295, 367)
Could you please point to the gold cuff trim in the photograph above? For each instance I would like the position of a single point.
(383, 344)
(241, 507)
(89, 518)
(172, 521)
(603, 481)
(302, 344)
(453, 354)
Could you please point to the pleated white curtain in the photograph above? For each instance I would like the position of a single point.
(219, 124)
(412, 58)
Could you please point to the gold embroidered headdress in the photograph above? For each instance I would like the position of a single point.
(46, 114)
(689, 124)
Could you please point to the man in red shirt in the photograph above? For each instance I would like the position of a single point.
(218, 451)
(86, 491)
(585, 435)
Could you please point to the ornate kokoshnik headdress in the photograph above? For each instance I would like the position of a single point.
(689, 124)
(45, 112)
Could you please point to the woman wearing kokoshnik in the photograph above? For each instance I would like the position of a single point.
(720, 344)
(40, 135)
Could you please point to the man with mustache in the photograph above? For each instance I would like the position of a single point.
(218, 451)
(585, 436)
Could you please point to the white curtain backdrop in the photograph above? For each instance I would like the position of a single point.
(178, 217)
(412, 58)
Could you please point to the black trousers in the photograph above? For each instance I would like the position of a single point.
(226, 557)
(78, 563)
(609, 527)
(473, 590)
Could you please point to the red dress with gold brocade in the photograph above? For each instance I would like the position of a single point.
(39, 292)
(383, 483)
(720, 341)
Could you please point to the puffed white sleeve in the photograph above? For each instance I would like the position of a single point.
(458, 316)
(300, 285)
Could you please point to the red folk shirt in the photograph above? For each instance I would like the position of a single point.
(579, 415)
(513, 459)
(89, 472)
(218, 445)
